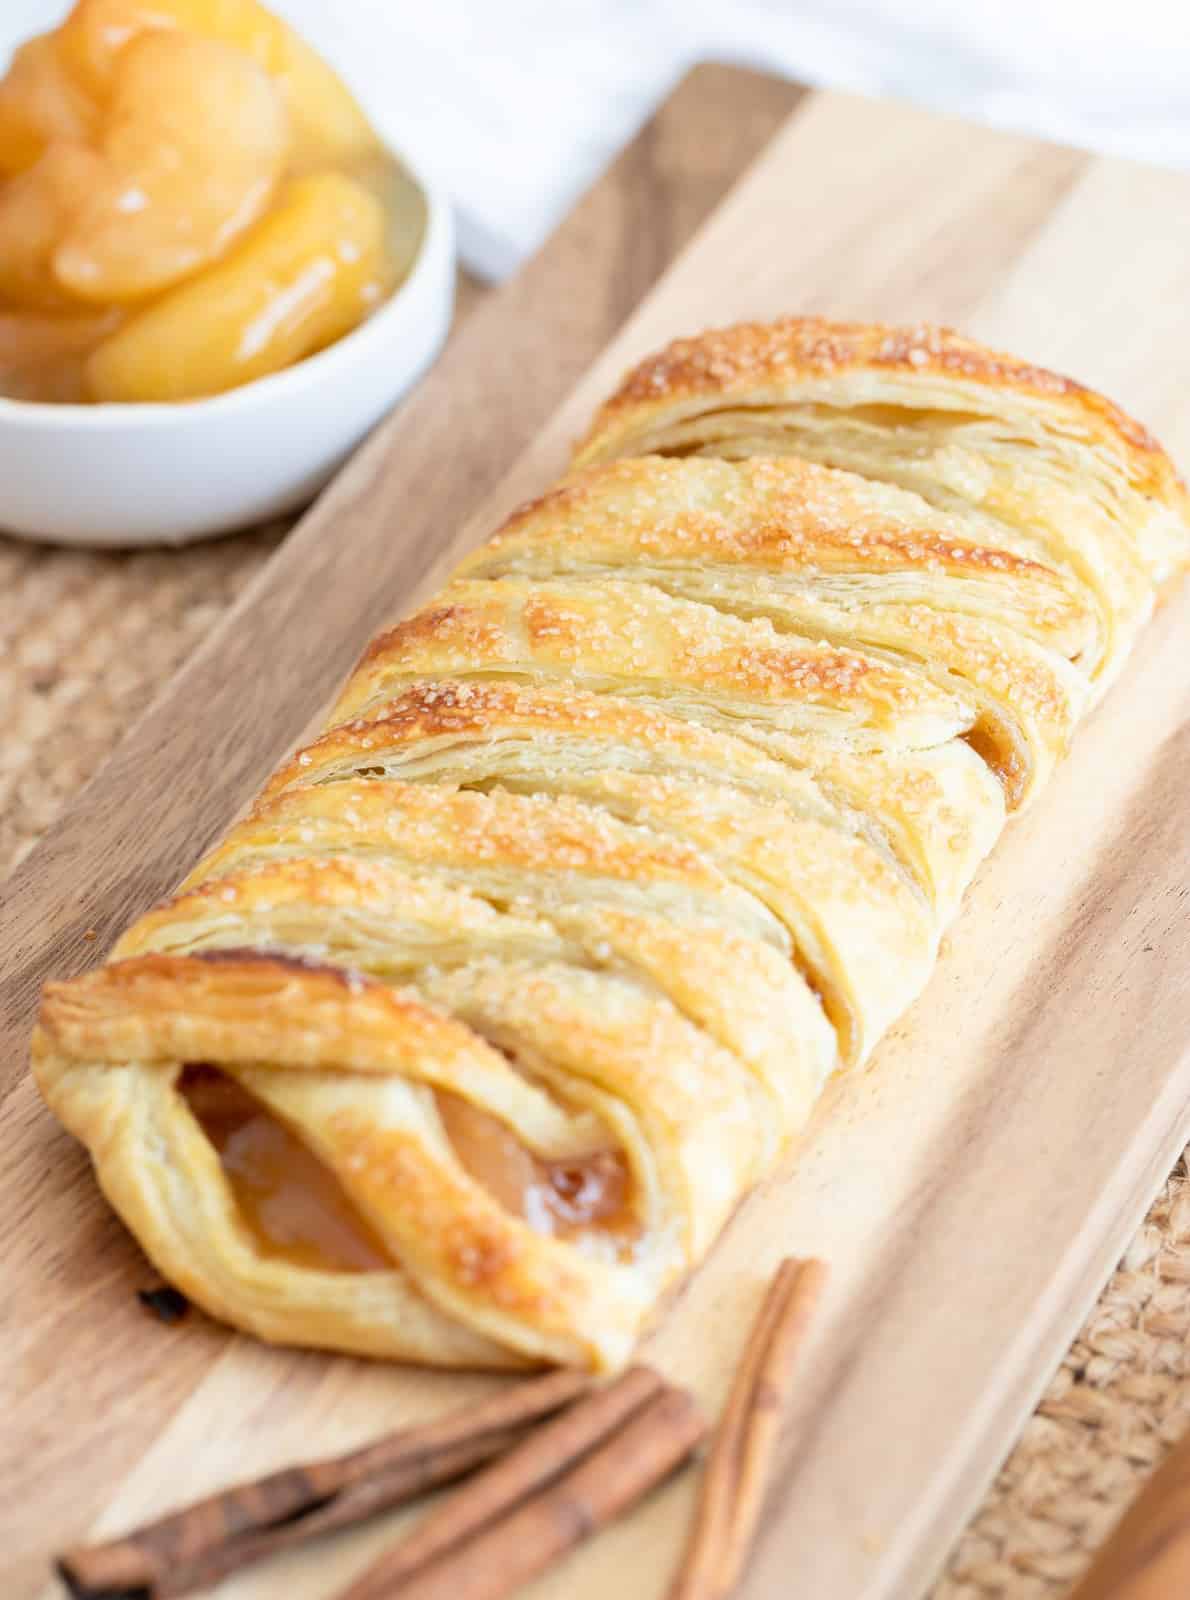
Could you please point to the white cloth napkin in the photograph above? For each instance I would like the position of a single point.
(516, 105)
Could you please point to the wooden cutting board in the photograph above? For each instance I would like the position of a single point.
(972, 1190)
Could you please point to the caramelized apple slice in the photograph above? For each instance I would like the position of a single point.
(563, 1197)
(195, 140)
(96, 31)
(37, 208)
(43, 357)
(290, 1204)
(40, 101)
(306, 276)
(329, 127)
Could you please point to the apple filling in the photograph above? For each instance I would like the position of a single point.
(295, 1208)
(291, 1203)
(576, 1194)
(1004, 762)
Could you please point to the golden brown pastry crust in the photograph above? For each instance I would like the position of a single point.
(831, 557)
(652, 818)
(726, 362)
(1022, 455)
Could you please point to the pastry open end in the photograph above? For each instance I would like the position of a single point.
(465, 1042)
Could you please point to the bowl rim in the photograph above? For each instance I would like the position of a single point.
(97, 416)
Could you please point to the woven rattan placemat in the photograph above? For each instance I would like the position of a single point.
(85, 641)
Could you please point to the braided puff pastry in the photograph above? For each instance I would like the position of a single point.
(463, 1045)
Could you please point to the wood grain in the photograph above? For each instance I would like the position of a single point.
(1147, 1556)
(972, 1191)
(211, 737)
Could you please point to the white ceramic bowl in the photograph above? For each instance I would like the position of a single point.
(152, 474)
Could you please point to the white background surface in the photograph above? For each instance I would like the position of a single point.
(518, 104)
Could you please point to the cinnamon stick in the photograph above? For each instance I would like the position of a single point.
(202, 1543)
(1147, 1555)
(567, 1481)
(742, 1452)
